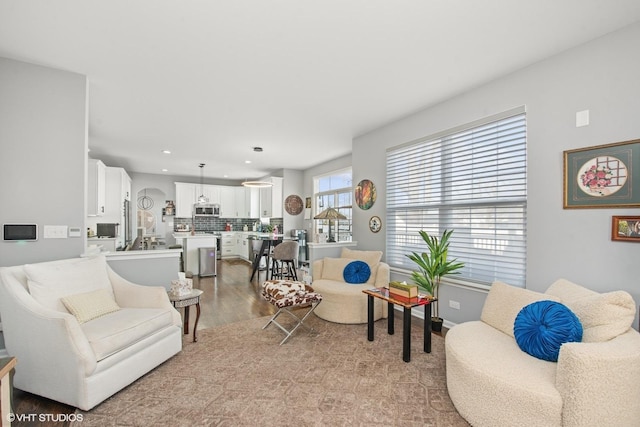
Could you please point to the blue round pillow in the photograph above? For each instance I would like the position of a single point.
(542, 327)
(356, 272)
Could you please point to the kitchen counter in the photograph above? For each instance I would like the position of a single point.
(106, 244)
(254, 235)
(191, 245)
(187, 235)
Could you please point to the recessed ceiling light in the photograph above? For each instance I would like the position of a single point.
(165, 170)
(247, 161)
(226, 176)
(166, 152)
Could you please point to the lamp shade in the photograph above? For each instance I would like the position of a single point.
(329, 213)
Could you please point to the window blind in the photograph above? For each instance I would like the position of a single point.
(472, 180)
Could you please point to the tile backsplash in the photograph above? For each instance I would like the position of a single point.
(219, 224)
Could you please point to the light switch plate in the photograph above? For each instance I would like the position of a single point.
(55, 232)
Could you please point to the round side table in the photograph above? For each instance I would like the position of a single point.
(186, 301)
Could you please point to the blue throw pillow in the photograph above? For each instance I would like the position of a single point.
(542, 327)
(356, 272)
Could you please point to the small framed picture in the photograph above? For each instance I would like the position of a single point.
(625, 228)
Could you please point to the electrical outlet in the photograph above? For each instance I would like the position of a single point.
(454, 304)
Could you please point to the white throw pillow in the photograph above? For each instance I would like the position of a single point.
(48, 282)
(504, 302)
(333, 268)
(603, 316)
(90, 305)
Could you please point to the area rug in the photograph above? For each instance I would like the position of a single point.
(239, 375)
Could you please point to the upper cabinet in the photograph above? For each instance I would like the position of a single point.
(228, 202)
(96, 188)
(252, 202)
(276, 197)
(185, 199)
(234, 201)
(118, 189)
(271, 199)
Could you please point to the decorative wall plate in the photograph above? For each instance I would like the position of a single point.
(365, 194)
(375, 224)
(293, 205)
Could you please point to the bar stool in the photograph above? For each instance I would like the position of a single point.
(283, 260)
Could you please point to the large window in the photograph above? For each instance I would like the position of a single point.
(472, 180)
(334, 191)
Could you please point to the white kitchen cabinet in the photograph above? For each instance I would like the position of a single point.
(265, 202)
(211, 192)
(276, 197)
(228, 241)
(185, 199)
(271, 199)
(126, 184)
(242, 245)
(252, 202)
(240, 204)
(96, 187)
(228, 202)
(118, 189)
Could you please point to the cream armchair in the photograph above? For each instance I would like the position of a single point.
(73, 358)
(595, 382)
(344, 302)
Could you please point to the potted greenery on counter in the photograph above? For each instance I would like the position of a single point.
(432, 267)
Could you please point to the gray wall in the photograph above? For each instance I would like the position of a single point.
(43, 146)
(600, 76)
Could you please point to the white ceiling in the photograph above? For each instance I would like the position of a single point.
(209, 80)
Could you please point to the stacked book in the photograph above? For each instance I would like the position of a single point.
(403, 291)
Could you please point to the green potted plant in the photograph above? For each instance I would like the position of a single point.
(432, 267)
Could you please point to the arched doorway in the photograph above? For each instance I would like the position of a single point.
(150, 223)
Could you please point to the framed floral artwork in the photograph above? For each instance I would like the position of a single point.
(625, 228)
(602, 176)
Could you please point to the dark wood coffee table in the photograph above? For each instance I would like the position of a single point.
(408, 304)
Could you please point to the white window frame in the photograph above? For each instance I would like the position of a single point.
(471, 179)
(346, 225)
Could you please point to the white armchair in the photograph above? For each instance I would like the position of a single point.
(82, 364)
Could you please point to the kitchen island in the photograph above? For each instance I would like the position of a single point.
(191, 244)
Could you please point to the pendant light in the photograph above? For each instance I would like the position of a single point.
(145, 202)
(257, 184)
(202, 199)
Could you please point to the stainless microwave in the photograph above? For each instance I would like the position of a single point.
(210, 209)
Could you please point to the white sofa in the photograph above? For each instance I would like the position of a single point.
(82, 364)
(596, 382)
(344, 302)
